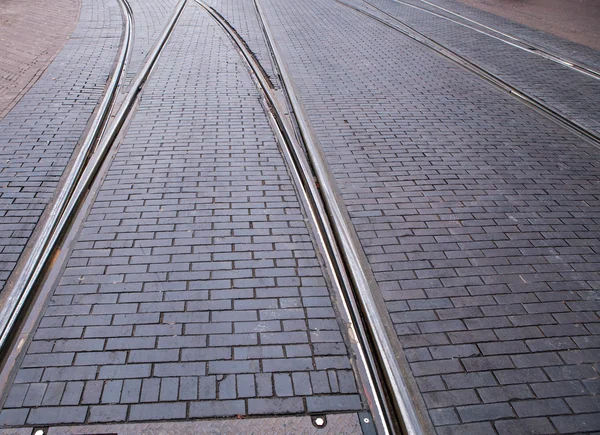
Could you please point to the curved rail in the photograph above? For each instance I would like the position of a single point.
(505, 38)
(390, 399)
(522, 96)
(84, 170)
(304, 181)
(19, 292)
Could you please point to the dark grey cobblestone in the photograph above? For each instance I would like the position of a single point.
(229, 326)
(556, 44)
(244, 19)
(150, 18)
(38, 136)
(571, 93)
(479, 218)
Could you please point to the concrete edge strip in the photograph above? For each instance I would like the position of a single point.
(340, 424)
(414, 422)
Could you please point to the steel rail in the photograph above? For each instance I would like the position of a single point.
(517, 42)
(79, 179)
(308, 190)
(354, 261)
(412, 33)
(19, 292)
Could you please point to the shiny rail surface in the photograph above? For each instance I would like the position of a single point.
(15, 297)
(511, 40)
(409, 31)
(87, 164)
(395, 403)
(303, 177)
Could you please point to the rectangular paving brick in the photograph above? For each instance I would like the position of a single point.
(443, 213)
(190, 285)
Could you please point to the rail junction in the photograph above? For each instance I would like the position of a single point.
(316, 216)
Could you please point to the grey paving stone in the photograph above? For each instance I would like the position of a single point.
(41, 132)
(158, 411)
(107, 413)
(246, 386)
(35, 394)
(276, 405)
(530, 425)
(207, 387)
(131, 391)
(222, 408)
(150, 390)
(540, 407)
(57, 415)
(333, 403)
(485, 412)
(13, 417)
(401, 199)
(92, 392)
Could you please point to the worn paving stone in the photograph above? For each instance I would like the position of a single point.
(569, 92)
(39, 134)
(479, 218)
(222, 327)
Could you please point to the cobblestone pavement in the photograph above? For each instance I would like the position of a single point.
(31, 34)
(576, 21)
(38, 136)
(150, 17)
(574, 95)
(479, 217)
(565, 47)
(193, 288)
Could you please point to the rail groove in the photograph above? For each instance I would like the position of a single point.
(96, 145)
(511, 40)
(391, 397)
(307, 189)
(482, 73)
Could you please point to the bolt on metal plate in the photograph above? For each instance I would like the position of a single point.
(366, 423)
(319, 421)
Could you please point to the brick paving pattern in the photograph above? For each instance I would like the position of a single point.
(571, 93)
(556, 44)
(150, 16)
(194, 289)
(38, 136)
(243, 17)
(31, 34)
(479, 218)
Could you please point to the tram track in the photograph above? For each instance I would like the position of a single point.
(15, 298)
(506, 38)
(111, 114)
(387, 393)
(533, 102)
(385, 388)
